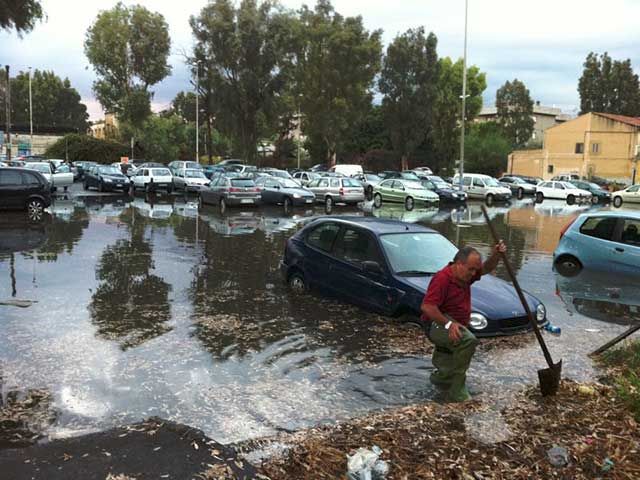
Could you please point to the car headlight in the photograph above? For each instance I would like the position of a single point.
(297, 195)
(478, 321)
(108, 180)
(454, 195)
(541, 312)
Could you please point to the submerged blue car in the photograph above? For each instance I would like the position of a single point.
(385, 266)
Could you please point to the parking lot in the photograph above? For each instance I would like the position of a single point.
(152, 305)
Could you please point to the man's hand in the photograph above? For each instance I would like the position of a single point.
(454, 332)
(500, 247)
(491, 263)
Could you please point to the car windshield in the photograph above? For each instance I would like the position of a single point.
(417, 253)
(63, 169)
(109, 171)
(372, 178)
(40, 167)
(280, 173)
(194, 174)
(409, 176)
(491, 182)
(193, 165)
(160, 172)
(414, 185)
(438, 180)
(288, 183)
(242, 182)
(595, 186)
(349, 182)
(567, 184)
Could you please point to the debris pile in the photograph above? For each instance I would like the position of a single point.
(24, 416)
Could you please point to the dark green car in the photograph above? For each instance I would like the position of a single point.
(599, 194)
(403, 191)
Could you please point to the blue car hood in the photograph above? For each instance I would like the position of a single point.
(490, 296)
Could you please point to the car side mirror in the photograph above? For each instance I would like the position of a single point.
(372, 267)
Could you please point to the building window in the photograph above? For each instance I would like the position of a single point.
(549, 168)
(579, 147)
(595, 148)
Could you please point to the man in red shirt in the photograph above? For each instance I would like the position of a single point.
(447, 307)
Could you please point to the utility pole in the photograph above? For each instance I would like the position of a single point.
(299, 128)
(7, 102)
(197, 112)
(30, 113)
(464, 94)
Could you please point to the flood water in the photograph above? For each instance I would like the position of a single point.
(151, 307)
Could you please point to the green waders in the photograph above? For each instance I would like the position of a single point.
(451, 361)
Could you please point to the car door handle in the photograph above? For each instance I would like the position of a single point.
(619, 249)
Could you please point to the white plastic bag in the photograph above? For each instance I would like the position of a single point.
(366, 465)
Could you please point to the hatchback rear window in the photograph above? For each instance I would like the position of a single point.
(160, 172)
(599, 227)
(348, 182)
(242, 182)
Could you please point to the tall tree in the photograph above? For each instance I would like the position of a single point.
(128, 48)
(609, 86)
(184, 105)
(409, 81)
(239, 52)
(55, 103)
(445, 137)
(20, 14)
(515, 112)
(335, 62)
(487, 149)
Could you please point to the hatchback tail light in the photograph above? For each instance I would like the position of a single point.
(566, 227)
(235, 189)
(341, 191)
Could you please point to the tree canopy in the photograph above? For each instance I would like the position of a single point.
(21, 15)
(515, 112)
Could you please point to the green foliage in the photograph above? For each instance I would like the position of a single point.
(515, 112)
(368, 133)
(165, 139)
(608, 86)
(409, 84)
(83, 147)
(184, 105)
(55, 103)
(625, 362)
(445, 136)
(128, 48)
(335, 60)
(20, 14)
(486, 149)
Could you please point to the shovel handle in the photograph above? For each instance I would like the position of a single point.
(516, 285)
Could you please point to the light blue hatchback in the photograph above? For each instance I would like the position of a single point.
(607, 241)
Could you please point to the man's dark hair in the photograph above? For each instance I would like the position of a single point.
(463, 254)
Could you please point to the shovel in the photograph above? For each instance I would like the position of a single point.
(549, 377)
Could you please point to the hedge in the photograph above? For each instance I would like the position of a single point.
(85, 148)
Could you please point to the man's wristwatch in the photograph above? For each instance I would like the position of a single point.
(447, 325)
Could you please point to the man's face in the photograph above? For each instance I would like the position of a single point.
(465, 271)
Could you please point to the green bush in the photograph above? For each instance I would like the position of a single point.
(77, 147)
(625, 363)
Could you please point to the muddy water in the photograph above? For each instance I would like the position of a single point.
(151, 307)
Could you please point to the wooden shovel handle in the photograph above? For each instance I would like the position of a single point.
(516, 285)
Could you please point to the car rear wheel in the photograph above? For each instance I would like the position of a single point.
(520, 193)
(85, 186)
(287, 203)
(200, 202)
(328, 201)
(35, 208)
(223, 205)
(539, 197)
(490, 199)
(595, 199)
(377, 200)
(409, 203)
(617, 202)
(297, 283)
(568, 266)
(101, 187)
(369, 192)
(571, 199)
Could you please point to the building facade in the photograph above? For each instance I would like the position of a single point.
(105, 129)
(593, 145)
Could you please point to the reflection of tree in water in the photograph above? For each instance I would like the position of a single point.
(63, 236)
(131, 304)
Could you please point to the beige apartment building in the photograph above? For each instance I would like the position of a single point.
(105, 129)
(595, 144)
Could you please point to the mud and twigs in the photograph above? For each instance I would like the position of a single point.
(432, 441)
(24, 416)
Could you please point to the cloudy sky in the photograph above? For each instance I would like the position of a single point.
(543, 43)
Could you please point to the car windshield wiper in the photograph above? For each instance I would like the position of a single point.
(414, 272)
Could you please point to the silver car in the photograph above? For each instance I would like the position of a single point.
(368, 180)
(305, 177)
(330, 190)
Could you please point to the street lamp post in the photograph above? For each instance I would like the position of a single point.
(464, 93)
(299, 128)
(30, 113)
(197, 112)
(7, 100)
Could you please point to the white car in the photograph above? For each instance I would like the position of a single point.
(153, 178)
(190, 180)
(562, 191)
(483, 187)
(630, 194)
(348, 170)
(422, 171)
(63, 178)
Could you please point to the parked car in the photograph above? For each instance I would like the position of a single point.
(528, 179)
(608, 241)
(82, 166)
(598, 194)
(178, 165)
(303, 178)
(566, 177)
(56, 180)
(369, 181)
(284, 191)
(226, 191)
(330, 190)
(519, 187)
(211, 170)
(105, 178)
(152, 178)
(445, 191)
(403, 191)
(422, 170)
(244, 170)
(406, 175)
(386, 266)
(230, 161)
(560, 190)
(347, 170)
(630, 195)
(274, 172)
(127, 169)
(483, 187)
(319, 167)
(24, 189)
(190, 180)
(152, 165)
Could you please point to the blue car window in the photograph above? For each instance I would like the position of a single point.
(356, 246)
(323, 236)
(424, 252)
(599, 227)
(631, 232)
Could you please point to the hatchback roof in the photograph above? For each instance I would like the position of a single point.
(379, 225)
(611, 213)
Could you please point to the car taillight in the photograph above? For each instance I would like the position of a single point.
(341, 191)
(566, 227)
(235, 189)
(256, 189)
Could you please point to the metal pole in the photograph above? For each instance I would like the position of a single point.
(30, 113)
(197, 112)
(7, 102)
(299, 132)
(132, 143)
(464, 93)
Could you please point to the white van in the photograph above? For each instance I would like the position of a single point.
(482, 186)
(347, 170)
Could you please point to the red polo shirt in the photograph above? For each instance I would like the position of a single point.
(449, 296)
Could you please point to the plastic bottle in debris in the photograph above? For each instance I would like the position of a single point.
(553, 328)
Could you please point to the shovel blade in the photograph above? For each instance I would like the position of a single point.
(550, 379)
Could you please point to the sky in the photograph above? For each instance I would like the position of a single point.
(543, 43)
